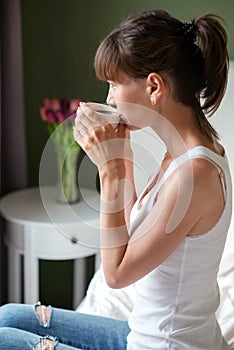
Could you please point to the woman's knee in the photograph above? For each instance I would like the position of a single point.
(16, 339)
(9, 338)
(11, 315)
(5, 312)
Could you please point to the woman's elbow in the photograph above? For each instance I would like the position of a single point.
(116, 281)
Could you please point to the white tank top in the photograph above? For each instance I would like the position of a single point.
(176, 302)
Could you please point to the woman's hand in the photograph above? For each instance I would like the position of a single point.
(98, 138)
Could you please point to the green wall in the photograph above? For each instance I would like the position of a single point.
(59, 41)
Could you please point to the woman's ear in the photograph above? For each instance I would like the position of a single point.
(155, 85)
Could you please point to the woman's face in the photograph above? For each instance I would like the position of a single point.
(128, 95)
(127, 90)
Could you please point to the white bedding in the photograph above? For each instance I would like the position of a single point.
(117, 303)
(225, 313)
(104, 301)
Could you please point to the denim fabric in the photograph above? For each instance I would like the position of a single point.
(21, 329)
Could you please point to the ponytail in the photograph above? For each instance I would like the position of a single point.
(212, 40)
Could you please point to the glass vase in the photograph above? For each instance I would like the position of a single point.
(67, 188)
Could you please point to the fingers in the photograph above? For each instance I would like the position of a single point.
(121, 130)
(82, 126)
(78, 136)
(88, 117)
(82, 121)
(91, 118)
(91, 129)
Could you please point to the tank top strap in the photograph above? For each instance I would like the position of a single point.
(197, 152)
(204, 152)
(220, 162)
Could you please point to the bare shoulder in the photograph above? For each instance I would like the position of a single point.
(204, 177)
(204, 171)
(199, 171)
(198, 179)
(208, 198)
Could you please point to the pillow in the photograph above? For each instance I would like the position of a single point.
(104, 301)
(225, 312)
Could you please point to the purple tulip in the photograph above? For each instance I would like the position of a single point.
(65, 107)
(43, 113)
(74, 104)
(55, 104)
(51, 117)
(57, 110)
(59, 116)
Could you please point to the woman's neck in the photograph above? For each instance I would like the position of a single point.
(178, 128)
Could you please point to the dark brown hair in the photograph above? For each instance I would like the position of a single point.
(191, 55)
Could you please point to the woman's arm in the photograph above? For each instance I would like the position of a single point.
(188, 197)
(130, 196)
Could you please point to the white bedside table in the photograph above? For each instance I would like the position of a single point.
(38, 227)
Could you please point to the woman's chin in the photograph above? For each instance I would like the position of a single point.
(132, 127)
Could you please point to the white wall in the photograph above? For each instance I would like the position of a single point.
(223, 121)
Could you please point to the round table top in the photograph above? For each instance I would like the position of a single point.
(35, 205)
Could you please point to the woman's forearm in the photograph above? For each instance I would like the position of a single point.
(130, 191)
(113, 227)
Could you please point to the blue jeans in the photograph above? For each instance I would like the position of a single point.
(21, 329)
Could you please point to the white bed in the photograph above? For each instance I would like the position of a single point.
(102, 300)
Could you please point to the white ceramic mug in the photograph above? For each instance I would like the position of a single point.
(109, 113)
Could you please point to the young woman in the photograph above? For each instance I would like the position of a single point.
(167, 75)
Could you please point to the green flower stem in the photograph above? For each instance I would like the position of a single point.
(67, 164)
(67, 154)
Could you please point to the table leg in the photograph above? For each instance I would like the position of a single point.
(97, 261)
(14, 275)
(78, 281)
(79, 278)
(31, 267)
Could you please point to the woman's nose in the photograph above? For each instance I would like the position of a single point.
(110, 99)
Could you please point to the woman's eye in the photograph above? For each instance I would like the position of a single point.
(112, 86)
